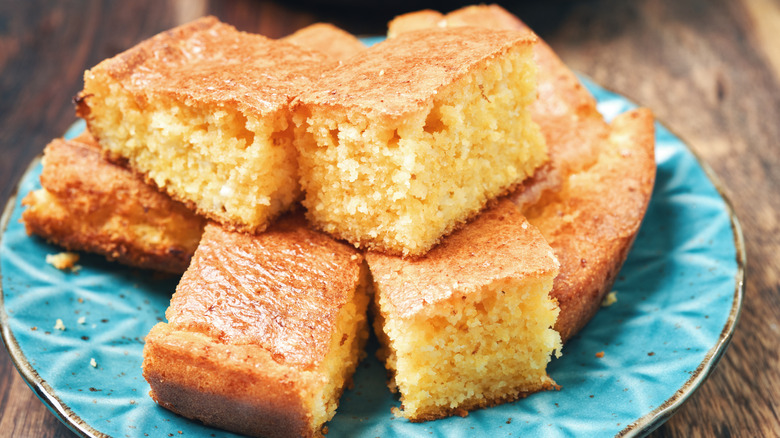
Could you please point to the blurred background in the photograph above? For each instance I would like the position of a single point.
(710, 71)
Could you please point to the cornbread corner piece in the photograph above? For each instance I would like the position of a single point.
(407, 140)
(328, 39)
(88, 204)
(264, 331)
(202, 111)
(469, 325)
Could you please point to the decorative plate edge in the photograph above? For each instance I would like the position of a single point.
(42, 390)
(654, 419)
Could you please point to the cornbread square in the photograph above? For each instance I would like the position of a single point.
(328, 39)
(264, 331)
(89, 204)
(407, 140)
(468, 325)
(202, 112)
(564, 109)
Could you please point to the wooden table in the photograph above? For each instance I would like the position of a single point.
(709, 69)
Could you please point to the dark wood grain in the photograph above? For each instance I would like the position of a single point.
(710, 70)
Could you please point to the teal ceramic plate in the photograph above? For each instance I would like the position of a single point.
(679, 296)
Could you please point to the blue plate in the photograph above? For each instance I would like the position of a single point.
(679, 296)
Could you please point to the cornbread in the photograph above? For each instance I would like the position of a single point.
(564, 110)
(328, 39)
(202, 112)
(88, 204)
(264, 331)
(593, 220)
(407, 140)
(468, 325)
(581, 148)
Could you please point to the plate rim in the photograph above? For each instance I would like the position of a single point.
(646, 424)
(45, 393)
(639, 428)
(655, 418)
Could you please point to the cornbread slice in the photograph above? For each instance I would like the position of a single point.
(593, 220)
(582, 147)
(468, 325)
(564, 110)
(407, 140)
(263, 331)
(89, 204)
(328, 39)
(202, 112)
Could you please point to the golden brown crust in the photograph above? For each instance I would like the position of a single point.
(281, 290)
(593, 221)
(212, 63)
(250, 326)
(89, 204)
(327, 39)
(398, 76)
(254, 395)
(498, 244)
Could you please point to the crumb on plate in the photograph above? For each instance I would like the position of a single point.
(609, 299)
(58, 325)
(63, 260)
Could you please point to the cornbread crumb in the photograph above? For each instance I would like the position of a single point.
(609, 299)
(63, 260)
(59, 325)
(92, 362)
(409, 139)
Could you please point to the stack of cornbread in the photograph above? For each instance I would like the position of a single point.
(329, 173)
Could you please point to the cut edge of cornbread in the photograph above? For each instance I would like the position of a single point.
(398, 184)
(464, 329)
(242, 388)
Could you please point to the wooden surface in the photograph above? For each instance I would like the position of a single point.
(710, 70)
